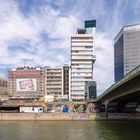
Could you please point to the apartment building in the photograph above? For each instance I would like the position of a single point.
(36, 82)
(53, 81)
(82, 60)
(26, 82)
(3, 89)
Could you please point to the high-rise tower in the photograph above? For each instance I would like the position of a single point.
(82, 59)
(126, 50)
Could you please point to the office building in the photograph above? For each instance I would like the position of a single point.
(26, 83)
(90, 90)
(126, 50)
(82, 60)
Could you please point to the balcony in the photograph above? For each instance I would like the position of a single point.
(82, 66)
(82, 62)
(81, 48)
(93, 58)
(81, 56)
(82, 75)
(79, 71)
(82, 44)
(78, 88)
(54, 87)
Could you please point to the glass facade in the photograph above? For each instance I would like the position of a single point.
(90, 89)
(131, 50)
(127, 50)
(118, 58)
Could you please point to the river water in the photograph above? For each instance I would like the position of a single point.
(70, 130)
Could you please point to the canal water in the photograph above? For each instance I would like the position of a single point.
(70, 130)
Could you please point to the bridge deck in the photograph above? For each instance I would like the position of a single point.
(132, 74)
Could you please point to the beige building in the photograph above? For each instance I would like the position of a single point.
(29, 82)
(53, 81)
(3, 89)
(26, 82)
(57, 81)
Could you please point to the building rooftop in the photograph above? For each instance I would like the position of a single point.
(127, 28)
(27, 68)
(81, 31)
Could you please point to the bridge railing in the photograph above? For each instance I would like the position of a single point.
(127, 77)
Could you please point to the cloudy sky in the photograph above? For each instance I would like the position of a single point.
(37, 32)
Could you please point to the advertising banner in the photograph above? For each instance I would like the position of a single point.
(28, 84)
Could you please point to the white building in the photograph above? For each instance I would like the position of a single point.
(82, 60)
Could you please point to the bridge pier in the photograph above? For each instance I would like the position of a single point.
(106, 109)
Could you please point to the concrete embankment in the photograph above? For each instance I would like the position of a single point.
(47, 116)
(123, 116)
(68, 116)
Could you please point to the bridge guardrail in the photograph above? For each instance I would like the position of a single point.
(127, 77)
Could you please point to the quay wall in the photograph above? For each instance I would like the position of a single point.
(46, 116)
(68, 116)
(123, 116)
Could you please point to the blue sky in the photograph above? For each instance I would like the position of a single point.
(37, 32)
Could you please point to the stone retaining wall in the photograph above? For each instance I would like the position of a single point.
(68, 116)
(47, 116)
(124, 116)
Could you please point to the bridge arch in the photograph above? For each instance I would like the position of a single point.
(124, 91)
(125, 103)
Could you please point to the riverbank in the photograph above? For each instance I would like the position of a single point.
(68, 116)
(46, 116)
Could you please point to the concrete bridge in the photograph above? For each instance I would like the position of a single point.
(123, 94)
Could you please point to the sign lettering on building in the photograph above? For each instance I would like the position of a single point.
(15, 73)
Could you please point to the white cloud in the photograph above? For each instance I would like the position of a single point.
(103, 68)
(57, 26)
(17, 28)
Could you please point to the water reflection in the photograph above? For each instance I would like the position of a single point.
(69, 130)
